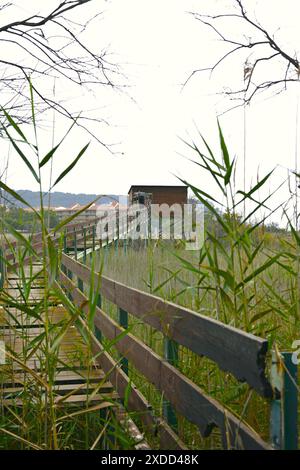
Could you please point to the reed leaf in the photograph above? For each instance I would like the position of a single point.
(71, 166)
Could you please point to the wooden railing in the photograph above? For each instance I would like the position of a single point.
(240, 353)
(72, 235)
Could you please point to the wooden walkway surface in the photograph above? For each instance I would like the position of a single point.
(74, 378)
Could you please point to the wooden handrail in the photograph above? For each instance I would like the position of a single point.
(187, 398)
(241, 353)
(69, 229)
(37, 244)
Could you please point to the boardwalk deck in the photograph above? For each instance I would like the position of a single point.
(78, 381)
(89, 373)
(73, 375)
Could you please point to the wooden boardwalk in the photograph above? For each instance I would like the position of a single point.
(90, 374)
(73, 373)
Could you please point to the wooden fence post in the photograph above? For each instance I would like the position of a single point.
(284, 406)
(123, 321)
(171, 355)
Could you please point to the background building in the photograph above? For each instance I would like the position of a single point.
(88, 215)
(158, 194)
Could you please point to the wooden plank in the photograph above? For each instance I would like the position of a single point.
(186, 397)
(71, 388)
(62, 377)
(67, 344)
(72, 400)
(241, 353)
(39, 367)
(36, 293)
(36, 365)
(96, 398)
(64, 389)
(11, 315)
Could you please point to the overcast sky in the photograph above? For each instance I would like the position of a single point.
(157, 44)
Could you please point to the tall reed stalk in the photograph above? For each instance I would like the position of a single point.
(34, 414)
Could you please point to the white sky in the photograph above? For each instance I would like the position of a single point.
(157, 43)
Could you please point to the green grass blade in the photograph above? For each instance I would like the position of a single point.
(256, 187)
(225, 152)
(22, 155)
(259, 270)
(50, 154)
(71, 166)
(14, 125)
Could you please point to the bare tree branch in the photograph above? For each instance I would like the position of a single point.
(50, 46)
(264, 48)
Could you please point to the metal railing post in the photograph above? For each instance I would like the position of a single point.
(84, 245)
(284, 406)
(75, 244)
(171, 356)
(80, 284)
(2, 269)
(70, 276)
(123, 321)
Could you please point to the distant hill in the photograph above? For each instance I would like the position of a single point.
(58, 199)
